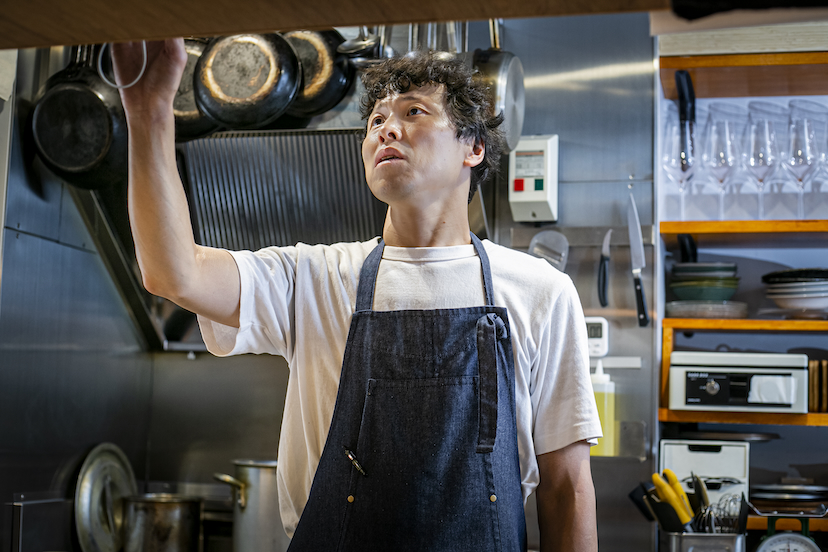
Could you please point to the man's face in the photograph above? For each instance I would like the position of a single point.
(411, 152)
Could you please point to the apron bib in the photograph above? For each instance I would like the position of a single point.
(422, 450)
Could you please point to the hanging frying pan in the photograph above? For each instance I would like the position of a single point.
(247, 81)
(503, 72)
(79, 127)
(190, 121)
(326, 74)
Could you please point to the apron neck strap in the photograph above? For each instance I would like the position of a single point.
(368, 275)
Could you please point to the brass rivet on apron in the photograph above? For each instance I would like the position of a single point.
(350, 498)
(493, 498)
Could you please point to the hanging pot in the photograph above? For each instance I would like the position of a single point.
(246, 81)
(257, 525)
(79, 127)
(190, 121)
(503, 72)
(326, 74)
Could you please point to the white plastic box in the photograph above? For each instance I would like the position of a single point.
(716, 461)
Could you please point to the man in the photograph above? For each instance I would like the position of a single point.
(435, 380)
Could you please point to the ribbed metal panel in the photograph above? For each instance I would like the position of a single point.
(249, 190)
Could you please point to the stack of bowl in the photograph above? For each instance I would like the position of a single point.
(703, 290)
(704, 281)
(800, 289)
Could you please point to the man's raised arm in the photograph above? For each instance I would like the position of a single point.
(200, 279)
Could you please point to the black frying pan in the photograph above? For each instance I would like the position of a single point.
(247, 81)
(190, 121)
(326, 74)
(79, 127)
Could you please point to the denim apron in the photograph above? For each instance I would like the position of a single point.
(422, 450)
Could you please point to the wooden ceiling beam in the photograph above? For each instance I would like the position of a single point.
(41, 23)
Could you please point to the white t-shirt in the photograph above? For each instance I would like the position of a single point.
(297, 302)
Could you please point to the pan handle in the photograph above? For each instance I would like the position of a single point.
(241, 488)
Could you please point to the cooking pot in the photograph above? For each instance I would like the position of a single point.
(79, 126)
(326, 74)
(503, 72)
(246, 81)
(162, 523)
(257, 525)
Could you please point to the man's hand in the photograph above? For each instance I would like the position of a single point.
(566, 500)
(152, 96)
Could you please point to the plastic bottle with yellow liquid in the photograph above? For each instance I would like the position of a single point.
(605, 399)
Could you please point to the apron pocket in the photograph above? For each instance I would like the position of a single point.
(424, 485)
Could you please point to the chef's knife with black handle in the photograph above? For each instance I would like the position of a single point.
(637, 261)
(603, 267)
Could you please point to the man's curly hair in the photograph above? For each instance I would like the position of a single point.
(467, 101)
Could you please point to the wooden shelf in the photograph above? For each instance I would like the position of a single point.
(738, 324)
(745, 75)
(762, 418)
(786, 524)
(671, 325)
(759, 233)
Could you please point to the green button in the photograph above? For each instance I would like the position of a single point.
(538, 184)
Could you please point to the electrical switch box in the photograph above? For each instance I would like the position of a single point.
(533, 179)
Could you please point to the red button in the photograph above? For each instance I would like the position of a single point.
(518, 184)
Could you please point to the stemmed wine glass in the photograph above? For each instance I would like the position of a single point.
(721, 148)
(678, 158)
(765, 121)
(807, 125)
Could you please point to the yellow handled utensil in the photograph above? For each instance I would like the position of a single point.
(666, 494)
(675, 484)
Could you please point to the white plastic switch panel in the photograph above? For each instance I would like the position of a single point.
(533, 179)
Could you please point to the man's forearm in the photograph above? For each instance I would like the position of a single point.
(566, 501)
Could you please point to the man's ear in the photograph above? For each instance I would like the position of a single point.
(475, 155)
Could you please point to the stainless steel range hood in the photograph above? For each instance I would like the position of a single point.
(246, 190)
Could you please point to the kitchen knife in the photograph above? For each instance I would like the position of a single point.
(637, 261)
(603, 267)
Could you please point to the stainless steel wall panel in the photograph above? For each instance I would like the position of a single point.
(72, 373)
(34, 195)
(58, 297)
(209, 411)
(589, 79)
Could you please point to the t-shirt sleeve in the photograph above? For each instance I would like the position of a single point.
(563, 402)
(266, 306)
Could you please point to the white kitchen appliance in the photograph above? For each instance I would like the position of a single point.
(743, 382)
(533, 179)
(597, 336)
(722, 465)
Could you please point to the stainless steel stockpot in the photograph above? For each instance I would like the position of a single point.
(257, 525)
(162, 523)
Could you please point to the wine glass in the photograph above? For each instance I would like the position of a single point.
(721, 148)
(808, 129)
(678, 158)
(806, 117)
(765, 121)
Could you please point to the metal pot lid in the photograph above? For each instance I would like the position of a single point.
(105, 479)
(789, 488)
(791, 497)
(256, 463)
(163, 498)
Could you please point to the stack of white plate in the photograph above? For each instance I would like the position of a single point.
(800, 289)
